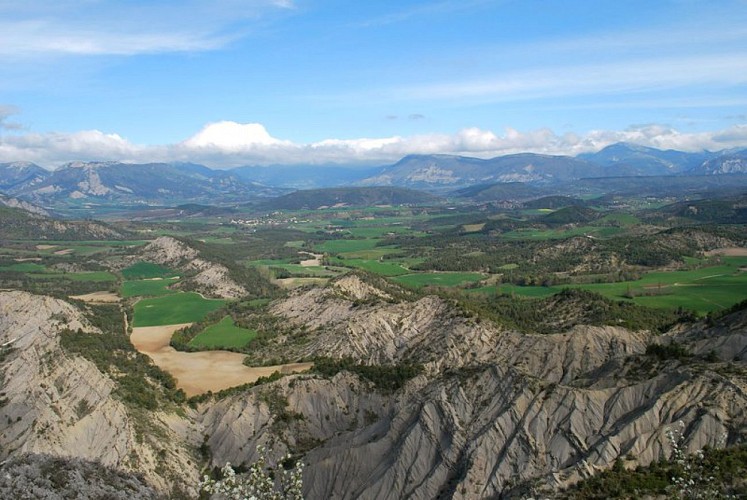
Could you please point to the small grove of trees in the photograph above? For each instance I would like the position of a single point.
(384, 377)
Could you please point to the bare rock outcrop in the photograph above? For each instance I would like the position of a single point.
(471, 434)
(55, 478)
(726, 339)
(207, 277)
(64, 406)
(495, 409)
(431, 331)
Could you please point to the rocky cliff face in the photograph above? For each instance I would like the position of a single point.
(63, 405)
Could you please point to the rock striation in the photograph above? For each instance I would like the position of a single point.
(207, 277)
(495, 412)
(62, 405)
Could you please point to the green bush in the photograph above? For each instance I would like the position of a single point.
(384, 377)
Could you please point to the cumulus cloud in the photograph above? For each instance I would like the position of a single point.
(232, 137)
(228, 144)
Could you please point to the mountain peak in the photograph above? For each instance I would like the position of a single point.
(22, 165)
(88, 164)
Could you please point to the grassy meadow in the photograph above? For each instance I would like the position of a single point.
(224, 334)
(185, 307)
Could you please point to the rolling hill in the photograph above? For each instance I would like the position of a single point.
(499, 191)
(357, 197)
(18, 223)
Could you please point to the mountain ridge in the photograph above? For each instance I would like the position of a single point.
(182, 182)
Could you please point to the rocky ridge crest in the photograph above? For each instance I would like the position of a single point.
(207, 277)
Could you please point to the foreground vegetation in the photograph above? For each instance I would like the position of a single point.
(140, 383)
(714, 473)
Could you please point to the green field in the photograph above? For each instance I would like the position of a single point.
(143, 270)
(298, 269)
(385, 268)
(295, 244)
(25, 267)
(376, 231)
(172, 309)
(373, 253)
(342, 246)
(702, 290)
(418, 280)
(39, 271)
(223, 334)
(144, 288)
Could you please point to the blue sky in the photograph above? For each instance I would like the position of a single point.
(235, 82)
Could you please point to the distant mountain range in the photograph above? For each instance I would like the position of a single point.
(629, 159)
(304, 176)
(484, 179)
(350, 196)
(447, 171)
(107, 182)
(20, 175)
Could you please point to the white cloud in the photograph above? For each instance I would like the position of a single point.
(232, 137)
(227, 144)
(56, 148)
(631, 75)
(40, 27)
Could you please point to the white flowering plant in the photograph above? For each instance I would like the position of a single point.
(263, 481)
(692, 481)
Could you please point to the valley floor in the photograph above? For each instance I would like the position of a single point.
(200, 372)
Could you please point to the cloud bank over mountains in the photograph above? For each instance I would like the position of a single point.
(227, 144)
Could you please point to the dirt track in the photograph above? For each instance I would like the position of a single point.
(199, 372)
(97, 297)
(729, 252)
